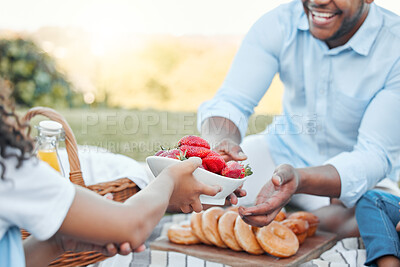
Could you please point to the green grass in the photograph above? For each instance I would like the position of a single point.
(137, 133)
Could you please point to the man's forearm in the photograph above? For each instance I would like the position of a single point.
(215, 129)
(320, 180)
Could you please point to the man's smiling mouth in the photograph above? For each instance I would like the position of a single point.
(321, 18)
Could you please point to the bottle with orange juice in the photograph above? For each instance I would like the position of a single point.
(50, 133)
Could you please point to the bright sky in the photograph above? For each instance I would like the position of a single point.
(143, 16)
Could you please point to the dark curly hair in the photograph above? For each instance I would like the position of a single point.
(13, 134)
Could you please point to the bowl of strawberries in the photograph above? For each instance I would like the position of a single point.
(214, 170)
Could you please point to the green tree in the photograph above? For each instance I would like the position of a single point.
(34, 76)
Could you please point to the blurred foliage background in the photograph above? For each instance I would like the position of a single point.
(33, 76)
(129, 96)
(59, 67)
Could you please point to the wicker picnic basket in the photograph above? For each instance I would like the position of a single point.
(121, 189)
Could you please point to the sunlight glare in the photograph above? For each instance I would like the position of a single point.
(106, 23)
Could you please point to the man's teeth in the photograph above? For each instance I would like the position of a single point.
(322, 15)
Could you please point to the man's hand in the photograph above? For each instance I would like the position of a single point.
(275, 194)
(229, 150)
(232, 199)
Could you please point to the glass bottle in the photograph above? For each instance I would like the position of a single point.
(50, 133)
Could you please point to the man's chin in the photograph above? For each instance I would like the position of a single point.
(321, 36)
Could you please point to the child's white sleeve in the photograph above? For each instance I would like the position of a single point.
(34, 197)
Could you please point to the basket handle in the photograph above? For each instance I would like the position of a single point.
(75, 174)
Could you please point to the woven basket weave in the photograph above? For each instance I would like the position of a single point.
(121, 189)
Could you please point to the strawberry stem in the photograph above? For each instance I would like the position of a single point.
(247, 170)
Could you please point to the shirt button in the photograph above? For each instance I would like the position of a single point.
(322, 91)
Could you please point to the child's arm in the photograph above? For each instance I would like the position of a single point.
(91, 218)
(99, 221)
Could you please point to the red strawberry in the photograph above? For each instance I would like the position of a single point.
(214, 162)
(194, 151)
(159, 152)
(192, 140)
(173, 154)
(234, 169)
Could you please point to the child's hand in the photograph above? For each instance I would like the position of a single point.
(186, 188)
(64, 244)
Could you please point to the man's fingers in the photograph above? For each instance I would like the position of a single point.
(276, 179)
(261, 209)
(238, 153)
(283, 174)
(233, 199)
(257, 221)
(240, 192)
(230, 150)
(226, 157)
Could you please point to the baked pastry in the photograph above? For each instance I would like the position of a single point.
(278, 240)
(182, 234)
(312, 220)
(226, 226)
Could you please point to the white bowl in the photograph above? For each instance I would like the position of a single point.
(157, 164)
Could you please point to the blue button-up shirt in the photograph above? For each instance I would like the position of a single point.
(340, 106)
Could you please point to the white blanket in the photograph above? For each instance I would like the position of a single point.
(99, 165)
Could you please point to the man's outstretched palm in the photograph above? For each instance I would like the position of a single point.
(275, 194)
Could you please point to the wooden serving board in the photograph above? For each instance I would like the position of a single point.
(310, 249)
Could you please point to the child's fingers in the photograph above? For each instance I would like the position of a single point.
(186, 209)
(140, 248)
(125, 248)
(109, 196)
(190, 165)
(210, 190)
(197, 207)
(111, 249)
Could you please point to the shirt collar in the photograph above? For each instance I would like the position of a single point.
(363, 39)
(303, 21)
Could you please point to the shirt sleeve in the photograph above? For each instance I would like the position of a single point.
(35, 197)
(378, 144)
(250, 75)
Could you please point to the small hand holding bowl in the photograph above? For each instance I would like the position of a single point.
(228, 185)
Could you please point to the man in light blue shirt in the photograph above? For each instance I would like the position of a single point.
(339, 134)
